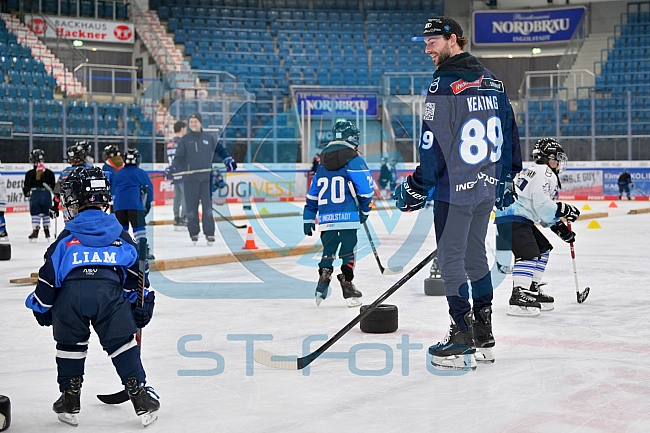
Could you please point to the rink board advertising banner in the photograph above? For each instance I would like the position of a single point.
(344, 104)
(522, 27)
(82, 29)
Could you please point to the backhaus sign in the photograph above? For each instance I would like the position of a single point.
(85, 30)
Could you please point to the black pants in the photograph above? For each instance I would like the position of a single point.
(525, 240)
(195, 192)
(331, 240)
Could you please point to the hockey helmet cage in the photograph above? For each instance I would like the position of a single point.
(111, 151)
(133, 157)
(84, 187)
(36, 156)
(346, 130)
(549, 149)
(76, 153)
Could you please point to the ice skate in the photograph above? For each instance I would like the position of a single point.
(4, 237)
(210, 240)
(32, 238)
(483, 337)
(145, 405)
(456, 351)
(350, 293)
(69, 404)
(523, 304)
(546, 301)
(195, 239)
(322, 289)
(46, 231)
(178, 227)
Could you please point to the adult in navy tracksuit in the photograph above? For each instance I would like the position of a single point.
(330, 198)
(90, 276)
(469, 150)
(196, 151)
(624, 184)
(133, 196)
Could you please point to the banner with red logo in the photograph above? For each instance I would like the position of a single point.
(82, 29)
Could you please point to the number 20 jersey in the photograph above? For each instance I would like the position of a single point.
(469, 138)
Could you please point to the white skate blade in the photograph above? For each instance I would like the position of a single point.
(484, 355)
(318, 301)
(354, 302)
(455, 362)
(547, 306)
(516, 310)
(69, 418)
(179, 228)
(148, 418)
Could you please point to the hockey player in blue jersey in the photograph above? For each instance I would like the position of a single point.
(339, 219)
(76, 158)
(536, 188)
(90, 276)
(133, 196)
(469, 151)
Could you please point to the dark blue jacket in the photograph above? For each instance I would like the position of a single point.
(92, 240)
(196, 151)
(129, 185)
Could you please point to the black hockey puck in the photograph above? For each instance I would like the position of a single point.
(381, 320)
(5, 412)
(5, 251)
(434, 287)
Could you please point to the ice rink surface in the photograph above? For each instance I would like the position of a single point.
(580, 368)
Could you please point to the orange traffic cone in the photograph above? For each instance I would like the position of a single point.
(250, 240)
(613, 205)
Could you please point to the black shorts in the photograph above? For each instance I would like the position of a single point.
(525, 241)
(137, 218)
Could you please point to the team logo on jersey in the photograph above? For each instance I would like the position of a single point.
(116, 243)
(490, 84)
(429, 110)
(90, 271)
(74, 241)
(460, 85)
(205, 142)
(433, 87)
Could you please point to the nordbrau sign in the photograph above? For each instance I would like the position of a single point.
(319, 103)
(525, 27)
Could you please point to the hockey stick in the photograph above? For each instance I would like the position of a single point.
(229, 220)
(123, 396)
(581, 296)
(383, 270)
(265, 357)
(639, 191)
(182, 173)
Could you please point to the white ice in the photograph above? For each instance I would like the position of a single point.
(579, 368)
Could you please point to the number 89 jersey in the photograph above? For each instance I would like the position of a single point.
(469, 136)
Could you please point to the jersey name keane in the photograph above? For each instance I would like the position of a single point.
(85, 257)
(478, 103)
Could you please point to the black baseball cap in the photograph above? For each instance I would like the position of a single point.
(439, 26)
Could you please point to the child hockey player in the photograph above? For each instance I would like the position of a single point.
(89, 276)
(4, 237)
(39, 183)
(535, 187)
(133, 196)
(329, 196)
(76, 158)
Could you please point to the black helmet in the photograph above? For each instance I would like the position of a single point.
(36, 156)
(549, 149)
(346, 130)
(84, 187)
(110, 151)
(132, 157)
(77, 153)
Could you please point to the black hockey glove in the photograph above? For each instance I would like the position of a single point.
(362, 217)
(143, 315)
(409, 195)
(44, 319)
(308, 228)
(506, 194)
(563, 232)
(54, 210)
(567, 211)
